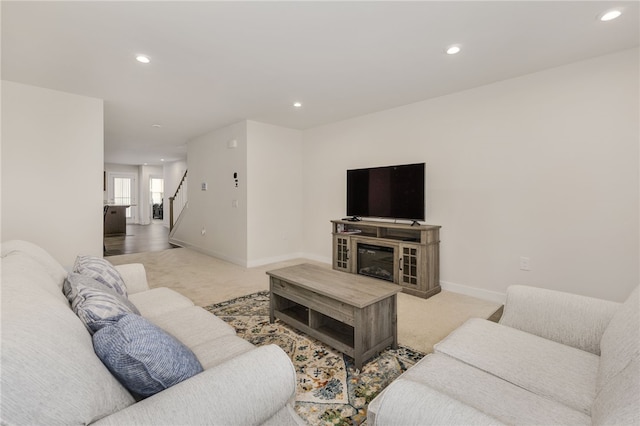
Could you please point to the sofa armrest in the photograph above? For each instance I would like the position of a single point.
(245, 390)
(570, 319)
(134, 276)
(408, 403)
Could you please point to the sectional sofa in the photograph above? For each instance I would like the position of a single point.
(554, 359)
(51, 374)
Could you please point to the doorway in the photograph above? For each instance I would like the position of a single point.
(122, 191)
(156, 188)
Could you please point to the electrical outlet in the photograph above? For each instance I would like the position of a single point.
(525, 263)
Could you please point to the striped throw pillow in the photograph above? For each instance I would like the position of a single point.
(102, 271)
(93, 302)
(142, 356)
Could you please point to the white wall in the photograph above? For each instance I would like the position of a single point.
(543, 166)
(266, 225)
(211, 161)
(52, 163)
(274, 193)
(172, 173)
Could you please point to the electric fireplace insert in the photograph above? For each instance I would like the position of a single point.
(375, 261)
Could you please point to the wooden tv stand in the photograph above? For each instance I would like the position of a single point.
(416, 251)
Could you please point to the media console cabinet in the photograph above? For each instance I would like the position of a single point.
(399, 253)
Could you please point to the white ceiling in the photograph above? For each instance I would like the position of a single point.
(216, 63)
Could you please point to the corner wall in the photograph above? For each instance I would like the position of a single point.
(258, 221)
(211, 161)
(274, 193)
(543, 166)
(52, 163)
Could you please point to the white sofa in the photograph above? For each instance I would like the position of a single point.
(51, 375)
(554, 359)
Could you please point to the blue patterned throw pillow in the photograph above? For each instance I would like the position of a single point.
(142, 356)
(93, 302)
(102, 271)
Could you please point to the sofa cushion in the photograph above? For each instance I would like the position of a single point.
(620, 343)
(142, 356)
(544, 367)
(566, 318)
(25, 268)
(192, 325)
(210, 355)
(409, 403)
(490, 394)
(158, 301)
(50, 373)
(617, 401)
(102, 271)
(40, 255)
(93, 301)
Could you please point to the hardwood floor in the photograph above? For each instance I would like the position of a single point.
(139, 239)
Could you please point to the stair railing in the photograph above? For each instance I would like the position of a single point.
(178, 202)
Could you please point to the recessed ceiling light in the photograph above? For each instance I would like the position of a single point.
(143, 59)
(452, 50)
(162, 159)
(297, 104)
(610, 15)
(157, 126)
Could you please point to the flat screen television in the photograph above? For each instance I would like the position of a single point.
(394, 192)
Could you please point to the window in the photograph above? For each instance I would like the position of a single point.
(157, 190)
(122, 193)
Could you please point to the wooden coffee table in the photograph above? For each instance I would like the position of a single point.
(354, 314)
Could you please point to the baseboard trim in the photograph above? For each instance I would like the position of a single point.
(285, 257)
(317, 258)
(241, 262)
(275, 259)
(177, 242)
(491, 296)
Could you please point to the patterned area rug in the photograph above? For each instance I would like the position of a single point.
(330, 391)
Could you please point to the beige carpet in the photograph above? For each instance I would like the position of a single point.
(207, 280)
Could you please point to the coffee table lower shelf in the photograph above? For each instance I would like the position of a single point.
(342, 340)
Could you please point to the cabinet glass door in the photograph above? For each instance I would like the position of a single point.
(409, 272)
(342, 253)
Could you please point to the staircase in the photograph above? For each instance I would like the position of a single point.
(177, 203)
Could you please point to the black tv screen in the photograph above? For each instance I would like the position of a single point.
(395, 192)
